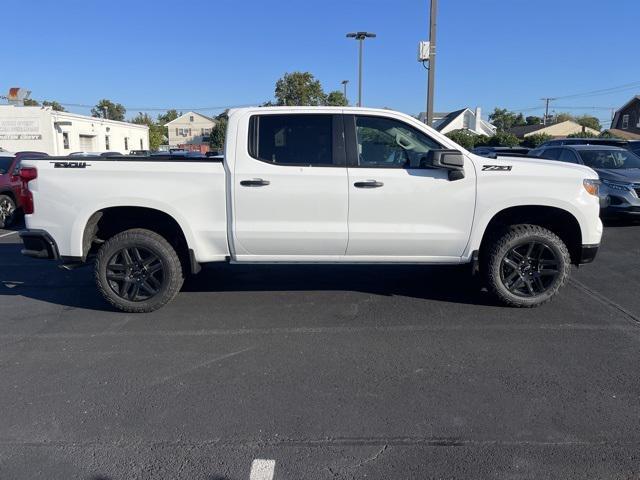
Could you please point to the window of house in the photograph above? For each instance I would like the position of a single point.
(384, 142)
(189, 132)
(292, 139)
(177, 130)
(141, 145)
(191, 118)
(65, 140)
(625, 122)
(106, 142)
(126, 143)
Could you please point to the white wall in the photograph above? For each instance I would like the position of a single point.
(42, 129)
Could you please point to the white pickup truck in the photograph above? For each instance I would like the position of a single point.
(313, 185)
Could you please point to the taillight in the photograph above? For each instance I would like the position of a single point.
(26, 198)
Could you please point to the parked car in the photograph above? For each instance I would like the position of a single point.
(634, 146)
(140, 153)
(110, 154)
(494, 152)
(618, 169)
(316, 185)
(614, 142)
(11, 185)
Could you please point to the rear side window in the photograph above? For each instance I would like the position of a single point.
(552, 153)
(292, 139)
(568, 156)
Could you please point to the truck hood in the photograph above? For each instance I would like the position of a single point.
(630, 175)
(582, 170)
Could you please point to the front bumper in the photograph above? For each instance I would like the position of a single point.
(588, 253)
(39, 244)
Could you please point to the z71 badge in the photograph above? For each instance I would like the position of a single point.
(496, 168)
(70, 164)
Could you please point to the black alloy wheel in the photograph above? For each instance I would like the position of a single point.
(135, 274)
(529, 269)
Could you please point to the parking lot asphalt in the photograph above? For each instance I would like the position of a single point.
(391, 372)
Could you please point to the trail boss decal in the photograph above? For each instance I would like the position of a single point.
(496, 168)
(70, 164)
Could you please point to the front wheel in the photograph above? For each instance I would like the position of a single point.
(7, 211)
(138, 271)
(527, 265)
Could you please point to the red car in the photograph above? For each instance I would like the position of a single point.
(11, 185)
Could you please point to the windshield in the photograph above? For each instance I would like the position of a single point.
(610, 159)
(5, 164)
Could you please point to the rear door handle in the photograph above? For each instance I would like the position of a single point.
(256, 182)
(368, 184)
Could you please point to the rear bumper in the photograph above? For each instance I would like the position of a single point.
(588, 253)
(39, 244)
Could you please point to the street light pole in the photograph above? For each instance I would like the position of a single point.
(432, 60)
(344, 86)
(360, 36)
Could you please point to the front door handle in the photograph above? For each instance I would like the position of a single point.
(256, 182)
(368, 184)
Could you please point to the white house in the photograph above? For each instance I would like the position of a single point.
(463, 119)
(556, 130)
(60, 133)
(190, 128)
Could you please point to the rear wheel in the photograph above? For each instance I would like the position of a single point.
(7, 211)
(527, 265)
(138, 271)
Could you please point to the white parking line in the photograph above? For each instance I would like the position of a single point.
(262, 469)
(7, 234)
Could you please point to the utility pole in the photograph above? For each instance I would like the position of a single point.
(360, 36)
(546, 108)
(432, 60)
(344, 86)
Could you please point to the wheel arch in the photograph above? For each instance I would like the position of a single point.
(109, 221)
(558, 220)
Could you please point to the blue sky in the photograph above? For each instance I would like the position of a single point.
(202, 53)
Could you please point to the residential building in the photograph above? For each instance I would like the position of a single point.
(626, 121)
(463, 119)
(190, 131)
(60, 133)
(556, 130)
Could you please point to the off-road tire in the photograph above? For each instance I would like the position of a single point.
(503, 242)
(149, 241)
(7, 202)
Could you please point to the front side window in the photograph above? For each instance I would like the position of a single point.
(292, 139)
(552, 153)
(610, 159)
(384, 142)
(625, 122)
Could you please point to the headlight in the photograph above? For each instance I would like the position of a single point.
(623, 187)
(591, 186)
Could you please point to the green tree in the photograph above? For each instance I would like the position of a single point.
(533, 120)
(504, 119)
(535, 140)
(216, 140)
(336, 99)
(168, 116)
(156, 131)
(503, 139)
(299, 88)
(584, 134)
(589, 121)
(464, 138)
(54, 105)
(30, 102)
(563, 117)
(114, 111)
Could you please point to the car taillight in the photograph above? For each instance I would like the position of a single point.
(26, 198)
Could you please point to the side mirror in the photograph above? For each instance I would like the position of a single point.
(451, 160)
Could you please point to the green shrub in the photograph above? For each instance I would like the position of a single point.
(584, 134)
(464, 138)
(503, 139)
(535, 140)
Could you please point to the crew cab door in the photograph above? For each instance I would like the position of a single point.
(396, 207)
(290, 188)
